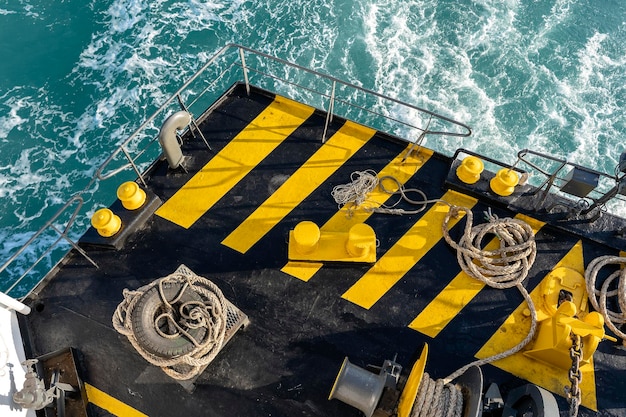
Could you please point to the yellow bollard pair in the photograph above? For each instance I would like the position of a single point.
(108, 223)
(308, 243)
(502, 184)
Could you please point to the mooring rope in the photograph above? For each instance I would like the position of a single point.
(437, 398)
(504, 267)
(598, 298)
(355, 192)
(363, 183)
(208, 311)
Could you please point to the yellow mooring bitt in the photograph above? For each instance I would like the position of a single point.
(470, 169)
(308, 243)
(106, 222)
(131, 195)
(562, 314)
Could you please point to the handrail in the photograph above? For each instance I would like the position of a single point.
(103, 172)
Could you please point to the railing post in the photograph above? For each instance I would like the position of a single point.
(13, 304)
(245, 70)
(329, 114)
(130, 159)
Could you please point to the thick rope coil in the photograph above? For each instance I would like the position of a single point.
(598, 298)
(437, 399)
(209, 312)
(504, 267)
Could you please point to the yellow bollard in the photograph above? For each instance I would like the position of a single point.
(131, 195)
(306, 236)
(361, 240)
(106, 222)
(470, 169)
(504, 182)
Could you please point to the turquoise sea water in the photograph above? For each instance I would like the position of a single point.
(76, 77)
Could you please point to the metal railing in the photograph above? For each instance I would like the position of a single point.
(594, 188)
(229, 65)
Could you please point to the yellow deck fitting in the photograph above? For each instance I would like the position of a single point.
(308, 243)
(306, 237)
(131, 195)
(553, 341)
(504, 182)
(106, 222)
(470, 169)
(564, 310)
(559, 282)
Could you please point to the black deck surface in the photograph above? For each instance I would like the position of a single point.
(284, 363)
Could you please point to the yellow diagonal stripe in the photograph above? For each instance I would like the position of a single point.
(516, 327)
(254, 143)
(457, 294)
(407, 251)
(343, 220)
(321, 165)
(110, 404)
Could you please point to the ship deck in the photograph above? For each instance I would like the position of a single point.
(228, 219)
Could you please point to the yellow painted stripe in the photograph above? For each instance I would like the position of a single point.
(321, 165)
(457, 294)
(253, 144)
(110, 404)
(343, 220)
(407, 251)
(515, 329)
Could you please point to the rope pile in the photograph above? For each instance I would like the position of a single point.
(599, 298)
(362, 183)
(198, 308)
(437, 398)
(504, 267)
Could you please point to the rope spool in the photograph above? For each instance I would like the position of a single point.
(599, 298)
(177, 322)
(437, 398)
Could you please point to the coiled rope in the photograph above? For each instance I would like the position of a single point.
(355, 192)
(598, 298)
(363, 183)
(437, 398)
(206, 309)
(501, 268)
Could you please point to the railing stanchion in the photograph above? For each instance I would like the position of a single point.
(245, 70)
(329, 113)
(130, 159)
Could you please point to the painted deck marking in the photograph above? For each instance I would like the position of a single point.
(110, 404)
(406, 252)
(342, 222)
(321, 165)
(253, 144)
(457, 294)
(515, 328)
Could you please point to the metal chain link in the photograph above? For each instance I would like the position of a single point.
(575, 376)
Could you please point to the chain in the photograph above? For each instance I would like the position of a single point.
(575, 376)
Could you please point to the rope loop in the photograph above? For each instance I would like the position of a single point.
(196, 315)
(599, 298)
(505, 266)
